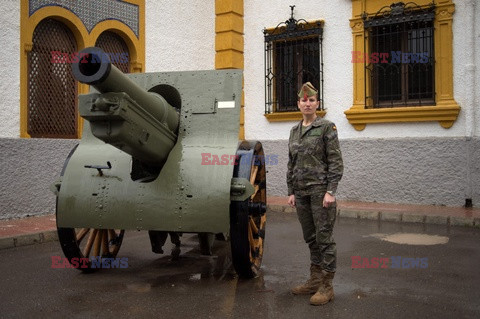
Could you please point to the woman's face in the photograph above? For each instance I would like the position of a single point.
(308, 105)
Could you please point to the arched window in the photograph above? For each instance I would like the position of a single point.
(116, 48)
(52, 92)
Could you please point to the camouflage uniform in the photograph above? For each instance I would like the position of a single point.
(315, 166)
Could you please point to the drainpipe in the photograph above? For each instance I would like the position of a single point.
(471, 100)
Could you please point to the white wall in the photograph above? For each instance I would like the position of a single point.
(10, 69)
(477, 64)
(466, 62)
(338, 76)
(180, 35)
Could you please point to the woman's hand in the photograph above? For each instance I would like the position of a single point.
(328, 200)
(291, 200)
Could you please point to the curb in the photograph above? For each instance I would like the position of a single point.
(394, 216)
(28, 239)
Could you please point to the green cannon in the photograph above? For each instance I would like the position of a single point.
(160, 152)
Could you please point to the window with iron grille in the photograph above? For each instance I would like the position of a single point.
(52, 92)
(293, 56)
(400, 64)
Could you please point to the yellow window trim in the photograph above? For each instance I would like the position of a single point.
(84, 39)
(446, 109)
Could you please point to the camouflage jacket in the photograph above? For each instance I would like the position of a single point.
(314, 157)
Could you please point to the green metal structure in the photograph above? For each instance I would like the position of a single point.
(160, 152)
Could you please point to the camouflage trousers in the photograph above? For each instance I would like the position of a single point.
(317, 226)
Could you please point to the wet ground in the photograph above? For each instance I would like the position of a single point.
(440, 281)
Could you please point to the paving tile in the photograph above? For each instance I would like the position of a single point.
(27, 239)
(476, 222)
(6, 243)
(413, 218)
(276, 208)
(50, 236)
(347, 213)
(368, 215)
(461, 221)
(439, 220)
(391, 216)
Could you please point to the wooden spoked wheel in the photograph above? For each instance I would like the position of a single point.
(89, 243)
(248, 218)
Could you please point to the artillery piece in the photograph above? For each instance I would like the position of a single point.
(160, 152)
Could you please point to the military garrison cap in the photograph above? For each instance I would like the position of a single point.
(307, 90)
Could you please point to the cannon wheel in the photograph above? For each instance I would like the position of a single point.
(248, 218)
(87, 242)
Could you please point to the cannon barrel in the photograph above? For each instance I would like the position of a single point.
(138, 122)
(97, 70)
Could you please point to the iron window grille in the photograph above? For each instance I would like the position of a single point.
(293, 56)
(404, 75)
(52, 92)
(112, 43)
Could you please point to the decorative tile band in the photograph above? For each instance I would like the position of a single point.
(91, 12)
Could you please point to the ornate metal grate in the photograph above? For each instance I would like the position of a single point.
(293, 56)
(92, 12)
(400, 61)
(52, 92)
(116, 47)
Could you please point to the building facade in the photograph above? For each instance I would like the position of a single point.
(407, 123)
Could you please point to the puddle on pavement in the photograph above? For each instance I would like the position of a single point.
(412, 239)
